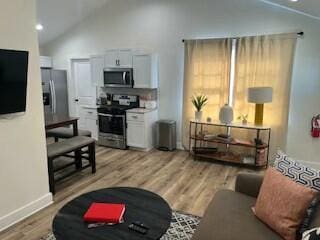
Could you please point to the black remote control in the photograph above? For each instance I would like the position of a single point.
(138, 227)
(140, 224)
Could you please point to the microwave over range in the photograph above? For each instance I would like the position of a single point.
(118, 77)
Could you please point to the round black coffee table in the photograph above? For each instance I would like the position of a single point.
(141, 205)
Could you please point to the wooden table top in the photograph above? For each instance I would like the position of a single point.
(141, 205)
(54, 120)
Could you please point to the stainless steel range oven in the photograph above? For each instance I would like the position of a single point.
(112, 130)
(112, 121)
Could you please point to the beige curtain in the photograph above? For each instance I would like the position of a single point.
(266, 61)
(206, 71)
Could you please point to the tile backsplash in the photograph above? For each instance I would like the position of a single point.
(152, 94)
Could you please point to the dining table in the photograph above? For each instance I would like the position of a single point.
(56, 120)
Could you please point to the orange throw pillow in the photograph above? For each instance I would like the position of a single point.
(282, 203)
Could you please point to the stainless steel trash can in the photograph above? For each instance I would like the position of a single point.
(166, 135)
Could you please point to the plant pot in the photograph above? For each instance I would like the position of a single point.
(244, 122)
(226, 114)
(198, 116)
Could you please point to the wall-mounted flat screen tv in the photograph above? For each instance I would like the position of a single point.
(13, 81)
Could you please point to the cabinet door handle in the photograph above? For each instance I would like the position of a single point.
(135, 117)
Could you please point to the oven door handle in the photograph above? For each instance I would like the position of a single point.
(110, 115)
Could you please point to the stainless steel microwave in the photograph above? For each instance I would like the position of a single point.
(118, 77)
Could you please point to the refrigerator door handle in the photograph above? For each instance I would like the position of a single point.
(54, 102)
(51, 96)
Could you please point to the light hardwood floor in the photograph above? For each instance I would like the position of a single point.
(186, 184)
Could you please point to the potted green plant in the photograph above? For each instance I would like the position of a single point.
(243, 118)
(199, 102)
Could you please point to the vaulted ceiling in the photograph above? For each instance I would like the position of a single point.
(57, 16)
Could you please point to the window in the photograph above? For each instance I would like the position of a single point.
(224, 69)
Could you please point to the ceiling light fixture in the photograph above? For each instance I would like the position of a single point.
(39, 27)
(294, 0)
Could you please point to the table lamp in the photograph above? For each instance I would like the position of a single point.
(259, 96)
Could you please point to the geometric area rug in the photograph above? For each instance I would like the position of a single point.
(182, 227)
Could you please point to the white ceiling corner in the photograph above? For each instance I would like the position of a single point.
(309, 8)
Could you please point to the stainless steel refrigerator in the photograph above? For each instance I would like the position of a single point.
(55, 91)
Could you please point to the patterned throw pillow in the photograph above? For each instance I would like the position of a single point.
(313, 234)
(282, 203)
(301, 174)
(297, 172)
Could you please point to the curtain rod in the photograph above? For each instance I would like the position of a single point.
(299, 34)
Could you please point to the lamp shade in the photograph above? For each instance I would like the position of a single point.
(260, 95)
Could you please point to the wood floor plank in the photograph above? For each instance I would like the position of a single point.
(187, 185)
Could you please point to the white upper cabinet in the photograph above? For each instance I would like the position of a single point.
(145, 66)
(118, 58)
(125, 58)
(97, 65)
(145, 71)
(111, 58)
(45, 62)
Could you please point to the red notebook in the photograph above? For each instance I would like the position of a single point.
(105, 213)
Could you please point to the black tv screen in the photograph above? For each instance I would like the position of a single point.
(13, 81)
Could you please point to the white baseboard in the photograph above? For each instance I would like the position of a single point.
(179, 146)
(25, 211)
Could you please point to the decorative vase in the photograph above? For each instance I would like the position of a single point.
(226, 114)
(198, 116)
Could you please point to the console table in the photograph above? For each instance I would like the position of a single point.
(246, 144)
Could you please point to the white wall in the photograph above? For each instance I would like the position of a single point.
(160, 25)
(23, 166)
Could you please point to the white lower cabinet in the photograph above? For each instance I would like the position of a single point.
(140, 128)
(136, 134)
(89, 120)
(91, 125)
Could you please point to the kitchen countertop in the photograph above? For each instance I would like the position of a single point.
(140, 110)
(90, 106)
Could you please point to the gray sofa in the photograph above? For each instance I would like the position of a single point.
(229, 215)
